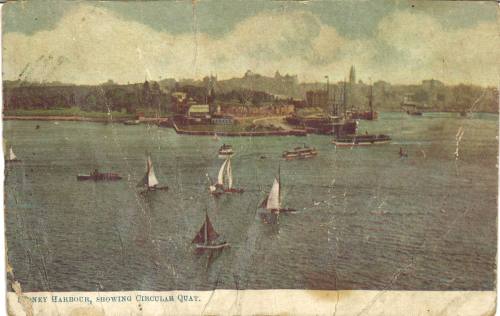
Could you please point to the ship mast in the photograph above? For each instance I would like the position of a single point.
(344, 94)
(279, 184)
(370, 104)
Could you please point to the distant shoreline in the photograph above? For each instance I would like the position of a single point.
(75, 118)
(147, 119)
(57, 118)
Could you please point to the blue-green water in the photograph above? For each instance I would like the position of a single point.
(366, 220)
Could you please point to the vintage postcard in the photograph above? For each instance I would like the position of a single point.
(250, 157)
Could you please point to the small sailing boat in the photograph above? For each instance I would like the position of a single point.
(220, 188)
(272, 203)
(207, 238)
(11, 157)
(216, 138)
(150, 181)
(403, 153)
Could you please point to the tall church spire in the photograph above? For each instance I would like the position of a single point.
(352, 75)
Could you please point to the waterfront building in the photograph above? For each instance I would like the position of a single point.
(317, 98)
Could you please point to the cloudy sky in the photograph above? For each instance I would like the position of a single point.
(398, 41)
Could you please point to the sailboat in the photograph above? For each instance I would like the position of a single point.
(11, 157)
(150, 181)
(272, 203)
(220, 188)
(207, 238)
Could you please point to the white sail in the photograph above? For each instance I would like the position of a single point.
(12, 156)
(220, 177)
(229, 175)
(152, 181)
(273, 201)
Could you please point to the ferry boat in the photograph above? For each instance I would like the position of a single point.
(300, 153)
(98, 176)
(226, 151)
(361, 140)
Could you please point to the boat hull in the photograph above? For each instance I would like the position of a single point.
(342, 144)
(99, 177)
(222, 191)
(361, 140)
(300, 153)
(225, 156)
(153, 189)
(213, 247)
(233, 190)
(12, 161)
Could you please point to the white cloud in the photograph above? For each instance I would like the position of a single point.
(91, 45)
(425, 49)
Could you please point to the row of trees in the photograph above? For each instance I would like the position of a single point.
(149, 95)
(103, 98)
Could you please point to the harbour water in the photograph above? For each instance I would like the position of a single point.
(366, 218)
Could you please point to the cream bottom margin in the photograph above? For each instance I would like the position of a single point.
(253, 302)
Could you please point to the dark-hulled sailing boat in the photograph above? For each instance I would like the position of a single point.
(149, 181)
(207, 239)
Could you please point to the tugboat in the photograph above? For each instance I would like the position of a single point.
(361, 140)
(207, 239)
(11, 157)
(97, 176)
(225, 151)
(300, 153)
(219, 188)
(149, 180)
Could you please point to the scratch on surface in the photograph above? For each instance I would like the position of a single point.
(387, 287)
(210, 297)
(458, 138)
(16, 286)
(195, 37)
